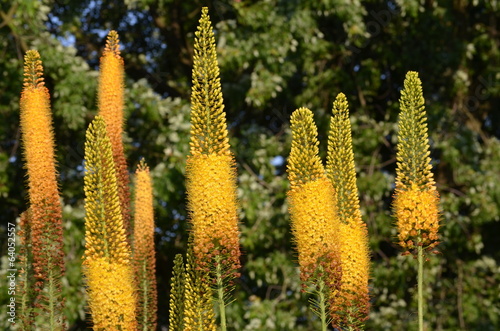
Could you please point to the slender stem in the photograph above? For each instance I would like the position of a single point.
(145, 296)
(220, 293)
(52, 295)
(322, 304)
(420, 289)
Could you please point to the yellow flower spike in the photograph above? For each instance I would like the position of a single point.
(110, 99)
(45, 219)
(210, 170)
(313, 211)
(144, 250)
(416, 199)
(352, 305)
(107, 264)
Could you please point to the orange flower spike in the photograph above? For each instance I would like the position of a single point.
(46, 212)
(144, 250)
(352, 305)
(111, 108)
(416, 200)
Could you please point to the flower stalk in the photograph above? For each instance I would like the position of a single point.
(43, 228)
(314, 215)
(416, 200)
(352, 303)
(210, 171)
(110, 101)
(144, 250)
(107, 258)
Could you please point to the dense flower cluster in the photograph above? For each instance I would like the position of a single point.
(416, 199)
(107, 263)
(110, 99)
(315, 223)
(45, 213)
(417, 215)
(351, 305)
(210, 170)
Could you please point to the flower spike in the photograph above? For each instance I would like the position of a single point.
(44, 230)
(313, 212)
(416, 198)
(352, 305)
(110, 99)
(107, 260)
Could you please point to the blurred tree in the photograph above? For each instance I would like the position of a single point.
(275, 56)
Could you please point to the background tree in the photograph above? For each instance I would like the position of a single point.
(276, 56)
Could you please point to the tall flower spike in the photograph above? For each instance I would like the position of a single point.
(352, 305)
(144, 250)
(210, 171)
(416, 198)
(313, 210)
(110, 100)
(45, 219)
(107, 264)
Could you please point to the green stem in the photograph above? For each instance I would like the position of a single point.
(350, 320)
(51, 303)
(220, 294)
(420, 289)
(145, 296)
(322, 304)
